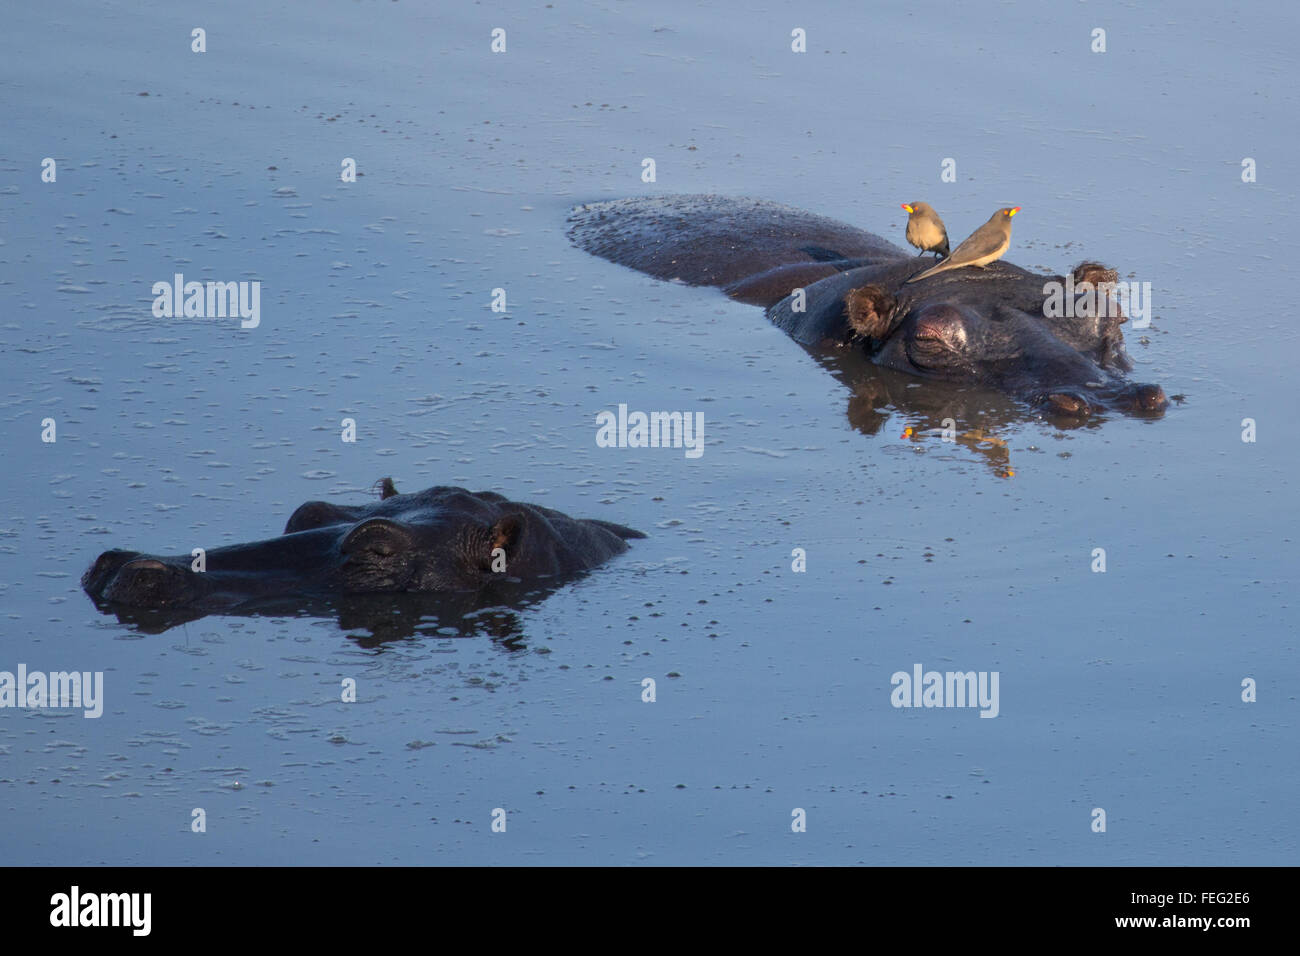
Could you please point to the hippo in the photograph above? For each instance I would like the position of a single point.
(440, 540)
(831, 286)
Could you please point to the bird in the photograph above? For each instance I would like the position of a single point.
(984, 245)
(925, 229)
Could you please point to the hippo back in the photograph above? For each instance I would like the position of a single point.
(715, 240)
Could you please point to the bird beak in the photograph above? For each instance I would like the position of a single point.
(1013, 212)
(905, 206)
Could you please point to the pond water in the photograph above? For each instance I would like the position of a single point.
(1119, 690)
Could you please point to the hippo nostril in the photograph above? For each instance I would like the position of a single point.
(1151, 398)
(144, 573)
(1068, 404)
(145, 582)
(100, 574)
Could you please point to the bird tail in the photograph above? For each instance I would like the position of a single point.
(939, 267)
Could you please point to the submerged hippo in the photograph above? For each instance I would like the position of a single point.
(438, 540)
(986, 326)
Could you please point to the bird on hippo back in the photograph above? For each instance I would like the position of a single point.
(925, 230)
(986, 244)
(832, 285)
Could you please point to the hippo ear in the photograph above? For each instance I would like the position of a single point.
(1095, 273)
(870, 310)
(505, 534)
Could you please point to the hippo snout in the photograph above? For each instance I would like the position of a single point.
(136, 580)
(1081, 403)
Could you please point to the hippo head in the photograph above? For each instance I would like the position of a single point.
(439, 540)
(991, 333)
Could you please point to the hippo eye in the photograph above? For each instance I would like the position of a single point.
(928, 350)
(930, 339)
(924, 353)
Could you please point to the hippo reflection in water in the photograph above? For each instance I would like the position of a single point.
(438, 540)
(970, 326)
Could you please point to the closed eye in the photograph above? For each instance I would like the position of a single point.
(926, 351)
